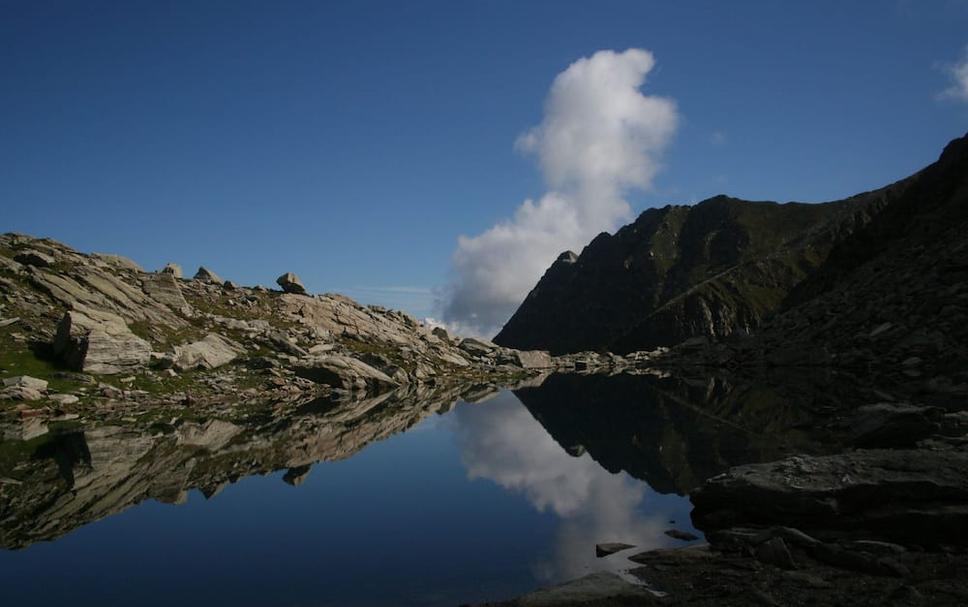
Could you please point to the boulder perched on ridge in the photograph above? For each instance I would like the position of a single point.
(206, 275)
(172, 268)
(290, 283)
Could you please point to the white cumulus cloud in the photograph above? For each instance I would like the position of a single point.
(600, 137)
(958, 73)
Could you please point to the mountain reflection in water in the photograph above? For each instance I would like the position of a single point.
(422, 502)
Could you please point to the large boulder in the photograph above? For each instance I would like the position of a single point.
(345, 373)
(25, 381)
(478, 347)
(206, 275)
(290, 283)
(533, 359)
(164, 288)
(207, 353)
(915, 496)
(172, 268)
(95, 341)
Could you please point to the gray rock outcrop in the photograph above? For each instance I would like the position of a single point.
(208, 353)
(172, 268)
(290, 283)
(345, 373)
(205, 275)
(95, 341)
(34, 258)
(164, 288)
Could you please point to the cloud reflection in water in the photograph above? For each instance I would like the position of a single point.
(502, 442)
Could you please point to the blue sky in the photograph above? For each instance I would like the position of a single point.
(352, 143)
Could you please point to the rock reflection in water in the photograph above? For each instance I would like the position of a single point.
(486, 502)
(58, 481)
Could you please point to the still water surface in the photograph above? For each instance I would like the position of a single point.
(478, 503)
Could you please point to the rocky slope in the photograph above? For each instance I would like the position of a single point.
(96, 336)
(891, 301)
(894, 293)
(721, 267)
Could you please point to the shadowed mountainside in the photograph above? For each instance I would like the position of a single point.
(723, 266)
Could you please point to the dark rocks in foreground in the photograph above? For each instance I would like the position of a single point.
(909, 496)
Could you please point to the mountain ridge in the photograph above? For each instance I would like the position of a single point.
(721, 267)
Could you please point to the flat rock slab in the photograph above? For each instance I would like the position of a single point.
(602, 550)
(208, 353)
(919, 494)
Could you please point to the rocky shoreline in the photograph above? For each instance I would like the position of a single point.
(84, 335)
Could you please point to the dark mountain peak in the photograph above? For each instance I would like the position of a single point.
(955, 152)
(567, 257)
(724, 265)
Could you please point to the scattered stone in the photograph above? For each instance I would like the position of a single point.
(25, 381)
(6, 322)
(20, 393)
(64, 399)
(162, 360)
(81, 378)
(290, 283)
